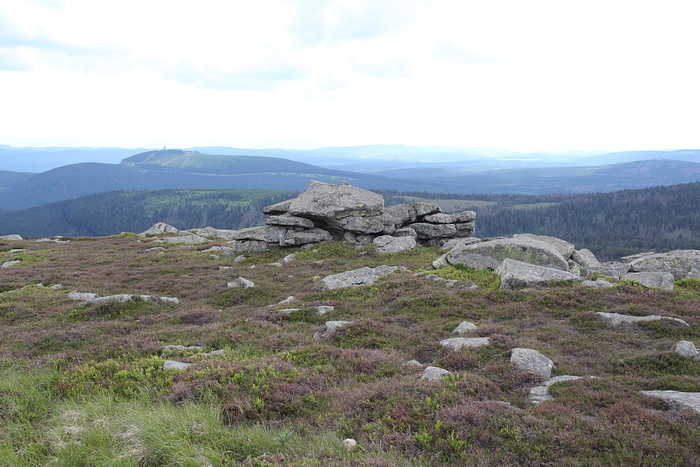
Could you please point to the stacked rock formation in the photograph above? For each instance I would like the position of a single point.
(342, 212)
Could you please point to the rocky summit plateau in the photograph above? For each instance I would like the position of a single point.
(346, 332)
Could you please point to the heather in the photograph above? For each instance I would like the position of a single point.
(84, 384)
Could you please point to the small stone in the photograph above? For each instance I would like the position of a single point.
(324, 309)
(349, 444)
(532, 360)
(687, 349)
(465, 327)
(241, 282)
(434, 373)
(456, 343)
(175, 365)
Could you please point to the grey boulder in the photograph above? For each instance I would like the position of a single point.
(516, 274)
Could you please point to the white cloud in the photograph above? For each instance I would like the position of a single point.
(543, 74)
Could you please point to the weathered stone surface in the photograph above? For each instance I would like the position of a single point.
(445, 218)
(12, 237)
(210, 232)
(540, 394)
(357, 277)
(361, 224)
(477, 261)
(689, 400)
(677, 262)
(662, 280)
(305, 237)
(8, 264)
(423, 209)
(526, 250)
(516, 274)
(278, 208)
(434, 373)
(287, 220)
(398, 215)
(334, 202)
(564, 248)
(532, 360)
(617, 319)
(268, 233)
(160, 228)
(614, 269)
(405, 232)
(687, 349)
(456, 343)
(389, 244)
(191, 239)
(182, 348)
(585, 258)
(426, 231)
(464, 230)
(241, 282)
(465, 327)
(324, 309)
(175, 365)
(459, 242)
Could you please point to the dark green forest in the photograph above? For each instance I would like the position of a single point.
(609, 224)
(113, 212)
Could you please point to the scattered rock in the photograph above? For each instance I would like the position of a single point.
(532, 360)
(564, 248)
(614, 269)
(690, 400)
(357, 277)
(456, 343)
(523, 249)
(289, 258)
(12, 237)
(687, 349)
(241, 282)
(516, 274)
(680, 263)
(349, 444)
(662, 280)
(465, 327)
(331, 328)
(585, 258)
(85, 296)
(415, 363)
(156, 248)
(175, 365)
(8, 264)
(617, 319)
(434, 373)
(389, 244)
(160, 228)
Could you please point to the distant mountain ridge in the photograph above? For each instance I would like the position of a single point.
(187, 169)
(175, 169)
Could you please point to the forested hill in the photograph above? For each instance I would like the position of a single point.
(610, 224)
(113, 212)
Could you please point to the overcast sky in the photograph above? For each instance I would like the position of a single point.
(513, 74)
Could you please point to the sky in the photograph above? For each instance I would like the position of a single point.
(519, 75)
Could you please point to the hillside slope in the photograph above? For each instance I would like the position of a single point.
(283, 372)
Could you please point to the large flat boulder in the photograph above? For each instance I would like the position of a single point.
(680, 263)
(516, 274)
(526, 250)
(334, 202)
(566, 249)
